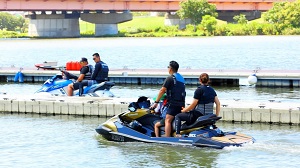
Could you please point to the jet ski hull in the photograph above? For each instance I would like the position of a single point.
(116, 129)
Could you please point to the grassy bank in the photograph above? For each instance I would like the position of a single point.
(155, 27)
(147, 26)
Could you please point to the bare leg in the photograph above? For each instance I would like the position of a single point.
(156, 128)
(70, 90)
(168, 123)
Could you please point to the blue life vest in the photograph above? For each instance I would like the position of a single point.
(176, 95)
(206, 103)
(103, 75)
(88, 75)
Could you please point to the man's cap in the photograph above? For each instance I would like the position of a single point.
(83, 59)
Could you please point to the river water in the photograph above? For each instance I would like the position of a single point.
(69, 141)
(244, 52)
(29, 141)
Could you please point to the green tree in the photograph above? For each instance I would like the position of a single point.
(209, 24)
(11, 22)
(284, 14)
(240, 19)
(195, 10)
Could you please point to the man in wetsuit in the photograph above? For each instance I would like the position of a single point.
(174, 86)
(85, 74)
(99, 73)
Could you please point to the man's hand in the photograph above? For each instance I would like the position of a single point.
(154, 105)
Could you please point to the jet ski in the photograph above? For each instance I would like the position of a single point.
(138, 125)
(58, 86)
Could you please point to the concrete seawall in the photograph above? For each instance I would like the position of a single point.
(233, 111)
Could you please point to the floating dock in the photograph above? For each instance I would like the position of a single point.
(271, 112)
(269, 78)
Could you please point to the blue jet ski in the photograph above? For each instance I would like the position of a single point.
(58, 86)
(138, 125)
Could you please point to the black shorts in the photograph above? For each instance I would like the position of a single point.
(162, 122)
(174, 110)
(76, 85)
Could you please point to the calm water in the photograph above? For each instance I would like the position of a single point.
(244, 93)
(66, 141)
(245, 52)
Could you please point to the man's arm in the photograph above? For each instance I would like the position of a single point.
(160, 93)
(191, 106)
(80, 78)
(218, 105)
(83, 71)
(97, 69)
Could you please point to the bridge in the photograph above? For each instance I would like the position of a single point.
(60, 18)
(132, 5)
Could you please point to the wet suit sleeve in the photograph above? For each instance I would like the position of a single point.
(198, 93)
(168, 82)
(98, 68)
(83, 71)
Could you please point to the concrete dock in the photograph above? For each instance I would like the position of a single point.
(219, 77)
(270, 112)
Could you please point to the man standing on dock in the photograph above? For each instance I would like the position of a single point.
(174, 86)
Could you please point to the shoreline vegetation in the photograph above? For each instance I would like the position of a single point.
(153, 26)
(282, 19)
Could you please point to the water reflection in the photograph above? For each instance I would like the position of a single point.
(160, 155)
(31, 140)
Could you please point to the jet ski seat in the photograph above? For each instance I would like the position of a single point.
(201, 122)
(107, 85)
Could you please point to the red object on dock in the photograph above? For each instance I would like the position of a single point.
(73, 66)
(69, 65)
(77, 66)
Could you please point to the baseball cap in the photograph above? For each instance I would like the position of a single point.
(83, 59)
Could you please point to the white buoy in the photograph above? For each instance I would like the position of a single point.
(252, 79)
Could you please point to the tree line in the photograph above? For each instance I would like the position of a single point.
(282, 19)
(12, 22)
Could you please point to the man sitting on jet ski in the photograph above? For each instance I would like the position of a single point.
(203, 104)
(162, 110)
(85, 73)
(99, 74)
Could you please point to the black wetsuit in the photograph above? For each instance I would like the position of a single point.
(175, 85)
(87, 75)
(206, 98)
(100, 73)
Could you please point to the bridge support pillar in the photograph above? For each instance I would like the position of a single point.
(106, 23)
(228, 15)
(54, 25)
(171, 20)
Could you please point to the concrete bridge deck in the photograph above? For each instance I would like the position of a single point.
(132, 5)
(60, 18)
(232, 111)
(273, 78)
